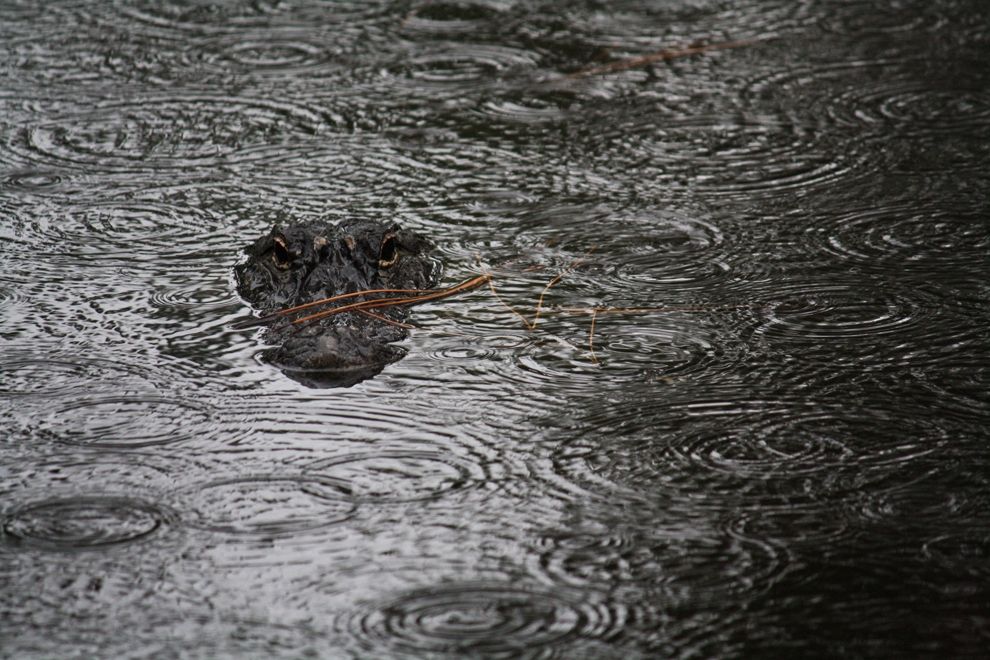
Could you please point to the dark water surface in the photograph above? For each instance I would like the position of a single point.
(791, 459)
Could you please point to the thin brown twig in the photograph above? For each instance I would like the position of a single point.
(568, 268)
(645, 310)
(379, 303)
(595, 311)
(491, 285)
(332, 299)
(660, 56)
(531, 325)
(539, 301)
(385, 319)
(425, 295)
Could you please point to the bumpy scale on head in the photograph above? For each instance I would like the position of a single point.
(300, 263)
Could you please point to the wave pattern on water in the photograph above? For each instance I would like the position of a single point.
(267, 506)
(122, 421)
(224, 16)
(769, 454)
(489, 618)
(83, 502)
(750, 420)
(142, 235)
(103, 404)
(173, 132)
(902, 236)
(399, 475)
(672, 567)
(81, 523)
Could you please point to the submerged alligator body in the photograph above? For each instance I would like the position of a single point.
(300, 263)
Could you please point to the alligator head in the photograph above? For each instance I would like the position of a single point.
(300, 263)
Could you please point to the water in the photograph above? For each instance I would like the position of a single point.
(785, 455)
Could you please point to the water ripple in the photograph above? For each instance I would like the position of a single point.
(281, 55)
(256, 56)
(450, 18)
(526, 109)
(76, 471)
(447, 347)
(750, 19)
(83, 626)
(264, 506)
(144, 234)
(670, 567)
(125, 421)
(363, 418)
(461, 67)
(66, 375)
(616, 561)
(915, 107)
(399, 475)
(226, 16)
(969, 549)
(810, 312)
(735, 155)
(8, 295)
(962, 386)
(902, 236)
(798, 407)
(21, 11)
(197, 293)
(80, 523)
(879, 94)
(949, 494)
(881, 329)
(167, 133)
(84, 501)
(862, 19)
(488, 618)
(780, 453)
(633, 351)
(343, 168)
(676, 248)
(93, 402)
(31, 180)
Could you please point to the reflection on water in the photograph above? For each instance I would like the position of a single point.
(750, 421)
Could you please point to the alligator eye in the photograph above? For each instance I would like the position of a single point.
(388, 255)
(280, 253)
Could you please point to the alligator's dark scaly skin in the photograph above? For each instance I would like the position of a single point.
(298, 263)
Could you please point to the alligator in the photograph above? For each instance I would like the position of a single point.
(298, 263)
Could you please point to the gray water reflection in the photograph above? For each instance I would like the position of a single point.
(782, 452)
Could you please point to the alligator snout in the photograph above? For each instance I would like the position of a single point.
(299, 263)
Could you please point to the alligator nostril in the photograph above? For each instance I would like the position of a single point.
(280, 252)
(388, 254)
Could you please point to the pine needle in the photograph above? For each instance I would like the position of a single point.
(660, 56)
